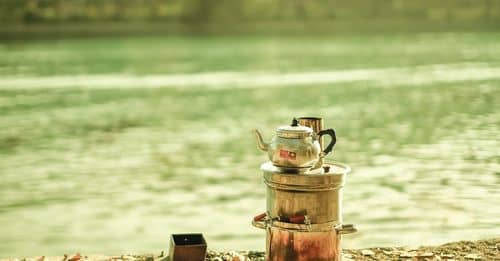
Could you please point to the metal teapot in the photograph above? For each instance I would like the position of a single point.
(296, 146)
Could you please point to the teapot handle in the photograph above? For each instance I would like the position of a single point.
(331, 133)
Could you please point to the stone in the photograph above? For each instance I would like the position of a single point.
(238, 257)
(447, 255)
(473, 257)
(367, 252)
(407, 255)
(76, 257)
(426, 254)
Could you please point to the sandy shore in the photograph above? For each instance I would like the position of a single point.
(463, 250)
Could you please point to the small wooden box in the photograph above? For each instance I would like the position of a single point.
(187, 247)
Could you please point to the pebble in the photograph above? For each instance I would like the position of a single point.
(447, 255)
(76, 257)
(407, 255)
(473, 257)
(238, 258)
(227, 256)
(426, 254)
(367, 252)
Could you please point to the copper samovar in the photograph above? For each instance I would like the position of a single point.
(303, 220)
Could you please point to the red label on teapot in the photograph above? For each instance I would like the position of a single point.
(288, 154)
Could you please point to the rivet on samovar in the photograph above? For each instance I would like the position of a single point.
(303, 220)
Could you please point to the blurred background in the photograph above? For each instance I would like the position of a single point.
(122, 122)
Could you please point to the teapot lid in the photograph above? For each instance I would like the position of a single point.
(294, 130)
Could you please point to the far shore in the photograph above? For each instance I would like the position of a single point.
(56, 30)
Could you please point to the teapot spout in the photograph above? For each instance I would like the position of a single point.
(260, 141)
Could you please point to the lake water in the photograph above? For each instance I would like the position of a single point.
(110, 145)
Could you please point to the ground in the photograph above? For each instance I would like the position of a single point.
(462, 250)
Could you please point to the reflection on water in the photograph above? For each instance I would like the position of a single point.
(116, 171)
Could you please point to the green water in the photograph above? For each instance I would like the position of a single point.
(110, 145)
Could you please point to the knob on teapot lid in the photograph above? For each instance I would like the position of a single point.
(294, 130)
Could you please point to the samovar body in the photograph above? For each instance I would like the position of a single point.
(303, 218)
